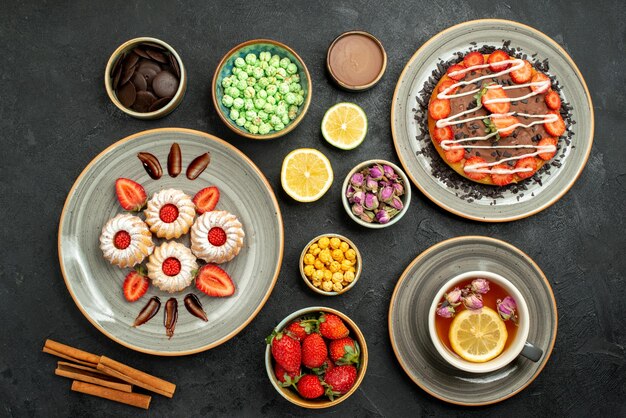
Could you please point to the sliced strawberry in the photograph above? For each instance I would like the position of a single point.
(445, 84)
(501, 179)
(522, 75)
(214, 281)
(443, 134)
(135, 285)
(453, 68)
(548, 140)
(130, 194)
(497, 56)
(473, 58)
(503, 124)
(439, 108)
(541, 88)
(474, 175)
(496, 93)
(454, 155)
(206, 199)
(556, 128)
(553, 100)
(527, 163)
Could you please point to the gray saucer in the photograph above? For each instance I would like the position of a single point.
(408, 319)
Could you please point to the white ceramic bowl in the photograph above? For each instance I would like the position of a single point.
(507, 355)
(406, 197)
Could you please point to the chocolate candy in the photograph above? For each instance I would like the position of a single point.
(146, 78)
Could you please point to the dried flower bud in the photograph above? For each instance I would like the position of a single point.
(382, 217)
(396, 203)
(350, 191)
(357, 180)
(473, 301)
(480, 286)
(371, 185)
(453, 297)
(371, 201)
(390, 172)
(357, 209)
(358, 197)
(367, 216)
(445, 311)
(399, 188)
(376, 172)
(386, 194)
(506, 308)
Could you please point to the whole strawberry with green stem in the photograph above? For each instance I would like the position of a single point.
(339, 380)
(285, 350)
(332, 327)
(314, 351)
(344, 351)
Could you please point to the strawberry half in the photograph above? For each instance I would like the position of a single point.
(439, 108)
(553, 100)
(527, 162)
(501, 179)
(522, 75)
(454, 155)
(314, 351)
(135, 284)
(475, 175)
(130, 194)
(473, 58)
(441, 134)
(548, 140)
(492, 94)
(556, 128)
(456, 67)
(503, 125)
(445, 84)
(213, 281)
(497, 56)
(206, 199)
(542, 87)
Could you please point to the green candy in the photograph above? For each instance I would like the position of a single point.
(268, 108)
(249, 92)
(261, 94)
(238, 103)
(271, 100)
(259, 103)
(236, 70)
(292, 68)
(275, 61)
(240, 62)
(299, 100)
(271, 89)
(251, 81)
(284, 63)
(227, 100)
(294, 87)
(241, 85)
(263, 116)
(250, 59)
(250, 114)
(280, 110)
(274, 120)
(270, 71)
(292, 112)
(281, 73)
(264, 82)
(242, 75)
(285, 119)
(258, 73)
(264, 128)
(248, 104)
(247, 125)
(290, 98)
(279, 126)
(283, 88)
(234, 114)
(226, 82)
(253, 129)
(233, 92)
(240, 121)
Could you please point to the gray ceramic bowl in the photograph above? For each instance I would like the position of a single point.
(96, 285)
(405, 131)
(108, 81)
(409, 317)
(406, 198)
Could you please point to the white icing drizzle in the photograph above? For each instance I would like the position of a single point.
(454, 120)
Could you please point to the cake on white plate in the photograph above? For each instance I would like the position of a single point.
(126, 240)
(170, 213)
(217, 236)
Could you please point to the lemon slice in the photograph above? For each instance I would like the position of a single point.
(306, 174)
(478, 336)
(344, 125)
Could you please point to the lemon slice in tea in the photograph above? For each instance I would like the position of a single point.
(478, 336)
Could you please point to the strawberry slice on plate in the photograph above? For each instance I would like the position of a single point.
(213, 281)
(523, 74)
(529, 163)
(454, 155)
(497, 56)
(556, 128)
(206, 199)
(553, 100)
(540, 88)
(439, 108)
(473, 58)
(446, 84)
(472, 161)
(130, 194)
(135, 284)
(453, 68)
(443, 134)
(493, 94)
(501, 175)
(548, 140)
(504, 125)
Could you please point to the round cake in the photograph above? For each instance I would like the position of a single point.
(171, 267)
(126, 240)
(217, 236)
(170, 213)
(494, 118)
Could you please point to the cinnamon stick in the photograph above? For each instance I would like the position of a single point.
(70, 353)
(95, 377)
(134, 399)
(136, 377)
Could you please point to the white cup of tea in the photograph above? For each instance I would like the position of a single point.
(519, 346)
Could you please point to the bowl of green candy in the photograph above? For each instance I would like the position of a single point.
(261, 89)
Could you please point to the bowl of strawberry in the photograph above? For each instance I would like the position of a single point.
(316, 357)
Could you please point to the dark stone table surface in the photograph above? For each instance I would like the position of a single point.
(55, 117)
